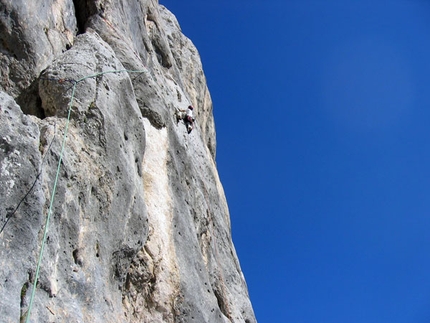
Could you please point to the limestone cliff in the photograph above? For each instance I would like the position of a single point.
(139, 229)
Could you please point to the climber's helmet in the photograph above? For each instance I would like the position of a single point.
(190, 107)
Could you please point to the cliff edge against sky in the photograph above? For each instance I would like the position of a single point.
(139, 229)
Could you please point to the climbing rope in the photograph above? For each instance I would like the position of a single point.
(11, 214)
(48, 217)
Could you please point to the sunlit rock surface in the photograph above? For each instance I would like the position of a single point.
(140, 228)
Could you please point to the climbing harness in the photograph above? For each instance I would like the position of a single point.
(48, 217)
(186, 117)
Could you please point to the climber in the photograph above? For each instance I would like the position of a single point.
(187, 116)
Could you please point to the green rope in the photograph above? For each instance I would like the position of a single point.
(48, 217)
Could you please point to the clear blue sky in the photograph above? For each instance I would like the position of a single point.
(322, 111)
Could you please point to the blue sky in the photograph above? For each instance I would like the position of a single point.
(322, 111)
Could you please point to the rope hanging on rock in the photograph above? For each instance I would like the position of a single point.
(51, 203)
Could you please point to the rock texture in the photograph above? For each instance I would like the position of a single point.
(140, 229)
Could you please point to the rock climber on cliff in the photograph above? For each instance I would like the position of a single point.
(187, 116)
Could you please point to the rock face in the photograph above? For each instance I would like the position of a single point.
(139, 229)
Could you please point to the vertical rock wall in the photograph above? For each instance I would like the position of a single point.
(140, 227)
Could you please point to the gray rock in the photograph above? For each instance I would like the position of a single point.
(140, 228)
(21, 204)
(32, 33)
